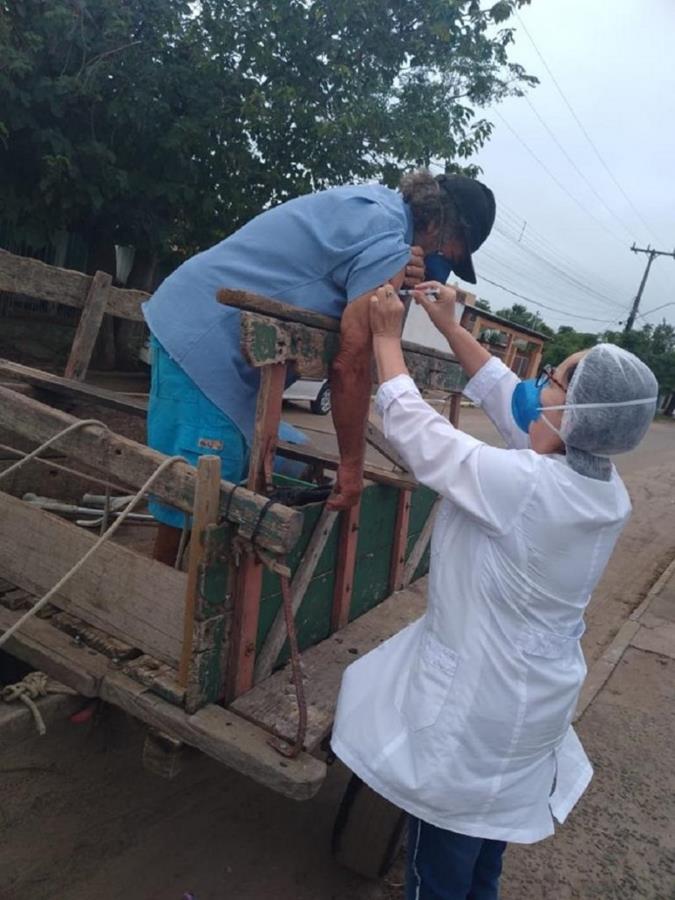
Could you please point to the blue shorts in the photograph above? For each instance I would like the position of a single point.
(182, 421)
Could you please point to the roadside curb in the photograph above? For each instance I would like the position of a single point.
(602, 669)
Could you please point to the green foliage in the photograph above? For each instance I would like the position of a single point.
(521, 315)
(482, 304)
(566, 342)
(654, 345)
(168, 124)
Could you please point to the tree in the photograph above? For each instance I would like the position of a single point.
(521, 315)
(655, 346)
(167, 124)
(565, 342)
(482, 304)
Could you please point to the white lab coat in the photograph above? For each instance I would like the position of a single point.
(463, 718)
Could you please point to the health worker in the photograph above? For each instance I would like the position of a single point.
(463, 719)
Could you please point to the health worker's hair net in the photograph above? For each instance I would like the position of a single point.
(610, 404)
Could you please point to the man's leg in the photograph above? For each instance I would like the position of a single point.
(440, 863)
(182, 421)
(167, 542)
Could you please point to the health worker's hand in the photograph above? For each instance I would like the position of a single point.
(386, 313)
(442, 310)
(414, 270)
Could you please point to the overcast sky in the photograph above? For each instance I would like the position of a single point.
(615, 63)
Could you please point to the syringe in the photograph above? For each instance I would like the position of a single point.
(431, 293)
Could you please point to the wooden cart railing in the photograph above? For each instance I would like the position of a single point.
(167, 645)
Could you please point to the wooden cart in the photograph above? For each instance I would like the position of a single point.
(201, 656)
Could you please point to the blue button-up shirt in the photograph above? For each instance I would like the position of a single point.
(318, 252)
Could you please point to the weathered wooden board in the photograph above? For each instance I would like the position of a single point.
(276, 637)
(332, 460)
(131, 597)
(205, 514)
(286, 312)
(375, 437)
(133, 463)
(420, 546)
(217, 732)
(272, 704)
(32, 278)
(223, 735)
(71, 388)
(88, 327)
(348, 542)
(372, 571)
(52, 651)
(266, 340)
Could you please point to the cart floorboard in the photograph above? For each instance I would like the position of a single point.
(272, 702)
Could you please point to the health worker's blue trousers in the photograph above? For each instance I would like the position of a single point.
(443, 865)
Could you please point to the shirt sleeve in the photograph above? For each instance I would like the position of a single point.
(491, 388)
(489, 484)
(379, 253)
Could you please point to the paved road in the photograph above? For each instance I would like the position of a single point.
(81, 819)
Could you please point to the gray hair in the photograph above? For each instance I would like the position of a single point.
(429, 203)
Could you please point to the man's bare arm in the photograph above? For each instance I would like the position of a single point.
(350, 395)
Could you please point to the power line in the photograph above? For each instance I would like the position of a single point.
(656, 309)
(563, 269)
(581, 126)
(543, 278)
(575, 166)
(544, 306)
(543, 245)
(503, 211)
(585, 287)
(548, 247)
(557, 180)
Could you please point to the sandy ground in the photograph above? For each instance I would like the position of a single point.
(81, 819)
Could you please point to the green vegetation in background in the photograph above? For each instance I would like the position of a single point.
(653, 344)
(166, 124)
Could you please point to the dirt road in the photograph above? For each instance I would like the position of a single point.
(81, 819)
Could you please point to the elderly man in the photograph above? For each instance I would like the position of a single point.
(326, 252)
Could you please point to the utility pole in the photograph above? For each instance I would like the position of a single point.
(652, 254)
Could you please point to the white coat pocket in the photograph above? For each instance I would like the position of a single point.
(429, 682)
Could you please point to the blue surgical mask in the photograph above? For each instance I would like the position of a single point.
(526, 403)
(437, 268)
(526, 406)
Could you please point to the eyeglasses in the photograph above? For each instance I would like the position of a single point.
(548, 375)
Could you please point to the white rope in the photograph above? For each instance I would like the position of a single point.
(27, 458)
(103, 538)
(30, 689)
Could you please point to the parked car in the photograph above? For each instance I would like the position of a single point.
(317, 392)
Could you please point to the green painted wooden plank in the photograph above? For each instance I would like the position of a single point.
(373, 561)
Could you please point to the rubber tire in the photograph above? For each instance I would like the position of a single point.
(368, 831)
(321, 405)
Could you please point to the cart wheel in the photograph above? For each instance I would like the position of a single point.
(320, 406)
(368, 831)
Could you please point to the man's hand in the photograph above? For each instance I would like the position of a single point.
(414, 271)
(348, 487)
